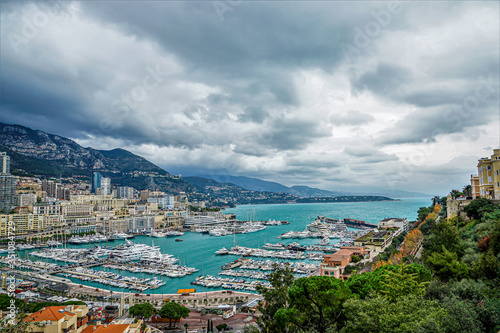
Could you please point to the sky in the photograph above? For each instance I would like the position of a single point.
(331, 94)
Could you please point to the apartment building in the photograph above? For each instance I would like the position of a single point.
(22, 223)
(487, 181)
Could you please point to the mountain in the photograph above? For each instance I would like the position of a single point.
(252, 184)
(35, 152)
(255, 184)
(306, 191)
(226, 193)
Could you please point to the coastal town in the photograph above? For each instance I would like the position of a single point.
(232, 166)
(57, 232)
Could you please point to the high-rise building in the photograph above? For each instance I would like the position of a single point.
(7, 185)
(125, 192)
(4, 163)
(105, 186)
(96, 182)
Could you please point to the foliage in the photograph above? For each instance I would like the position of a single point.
(405, 314)
(479, 300)
(221, 327)
(5, 303)
(478, 207)
(173, 311)
(275, 298)
(446, 265)
(362, 285)
(315, 302)
(144, 310)
(444, 234)
(355, 259)
(401, 283)
(488, 267)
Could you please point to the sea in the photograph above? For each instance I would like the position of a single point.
(197, 250)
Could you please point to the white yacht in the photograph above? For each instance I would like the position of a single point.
(157, 234)
(133, 251)
(120, 235)
(277, 246)
(173, 233)
(222, 251)
(325, 241)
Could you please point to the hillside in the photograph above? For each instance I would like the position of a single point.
(35, 152)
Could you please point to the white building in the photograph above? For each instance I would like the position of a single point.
(105, 186)
(26, 199)
(163, 201)
(395, 222)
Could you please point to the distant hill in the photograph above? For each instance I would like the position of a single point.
(252, 184)
(255, 184)
(306, 191)
(35, 152)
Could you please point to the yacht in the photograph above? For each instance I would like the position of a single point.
(173, 233)
(133, 251)
(277, 246)
(157, 234)
(222, 251)
(53, 243)
(325, 241)
(120, 235)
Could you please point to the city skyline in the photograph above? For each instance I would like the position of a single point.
(332, 95)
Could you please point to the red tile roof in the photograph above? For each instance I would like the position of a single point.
(51, 313)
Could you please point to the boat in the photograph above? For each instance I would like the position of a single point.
(178, 240)
(325, 241)
(173, 233)
(222, 251)
(120, 235)
(157, 234)
(53, 243)
(296, 247)
(277, 246)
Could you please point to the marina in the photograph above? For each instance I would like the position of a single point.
(197, 250)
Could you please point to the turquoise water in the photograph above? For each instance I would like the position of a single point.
(197, 250)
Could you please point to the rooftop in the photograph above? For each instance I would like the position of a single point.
(52, 313)
(118, 328)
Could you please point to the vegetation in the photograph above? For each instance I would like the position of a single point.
(143, 310)
(453, 286)
(173, 311)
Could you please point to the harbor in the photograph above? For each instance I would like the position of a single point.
(197, 250)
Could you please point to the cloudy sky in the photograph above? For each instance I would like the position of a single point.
(337, 95)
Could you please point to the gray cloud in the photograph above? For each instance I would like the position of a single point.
(248, 93)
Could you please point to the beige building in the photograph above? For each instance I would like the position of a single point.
(376, 241)
(77, 210)
(104, 202)
(488, 176)
(22, 223)
(59, 319)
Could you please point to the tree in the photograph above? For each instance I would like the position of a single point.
(402, 283)
(478, 207)
(446, 265)
(144, 310)
(221, 327)
(406, 314)
(488, 267)
(444, 234)
(173, 311)
(186, 327)
(365, 284)
(276, 297)
(315, 302)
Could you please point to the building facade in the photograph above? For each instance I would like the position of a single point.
(7, 185)
(488, 176)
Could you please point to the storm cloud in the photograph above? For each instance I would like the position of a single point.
(326, 94)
